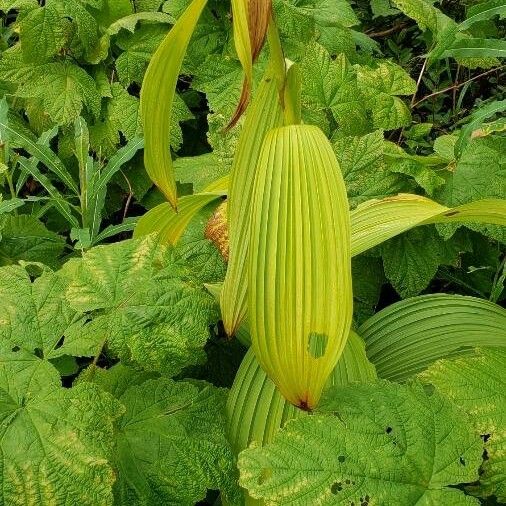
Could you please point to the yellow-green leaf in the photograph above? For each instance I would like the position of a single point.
(170, 224)
(375, 221)
(300, 294)
(264, 114)
(157, 96)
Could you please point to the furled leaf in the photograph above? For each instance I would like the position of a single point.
(55, 442)
(170, 445)
(256, 410)
(23, 237)
(407, 337)
(264, 114)
(142, 303)
(300, 214)
(477, 385)
(157, 97)
(375, 451)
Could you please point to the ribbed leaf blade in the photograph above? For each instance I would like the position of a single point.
(264, 114)
(375, 221)
(300, 294)
(157, 96)
(407, 337)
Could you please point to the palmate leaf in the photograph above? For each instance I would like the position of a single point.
(389, 444)
(169, 445)
(299, 258)
(477, 385)
(142, 304)
(157, 96)
(408, 336)
(36, 315)
(55, 442)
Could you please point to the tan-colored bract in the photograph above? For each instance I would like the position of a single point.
(300, 293)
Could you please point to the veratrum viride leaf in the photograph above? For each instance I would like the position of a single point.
(300, 294)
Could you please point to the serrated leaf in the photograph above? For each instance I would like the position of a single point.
(42, 34)
(36, 315)
(130, 22)
(412, 259)
(376, 450)
(23, 237)
(380, 87)
(55, 442)
(64, 89)
(170, 445)
(364, 168)
(152, 312)
(476, 384)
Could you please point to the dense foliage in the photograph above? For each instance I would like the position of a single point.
(118, 381)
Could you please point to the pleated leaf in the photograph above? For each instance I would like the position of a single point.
(407, 337)
(256, 410)
(264, 114)
(157, 97)
(376, 221)
(300, 294)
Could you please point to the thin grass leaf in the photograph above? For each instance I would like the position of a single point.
(157, 97)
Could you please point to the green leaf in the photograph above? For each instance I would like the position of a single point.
(376, 450)
(42, 34)
(142, 303)
(476, 384)
(170, 445)
(364, 169)
(380, 87)
(55, 442)
(137, 50)
(65, 89)
(24, 237)
(476, 48)
(331, 85)
(130, 22)
(411, 260)
(199, 170)
(157, 97)
(408, 336)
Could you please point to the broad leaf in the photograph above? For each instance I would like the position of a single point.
(170, 445)
(55, 442)
(142, 303)
(389, 444)
(477, 385)
(407, 337)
